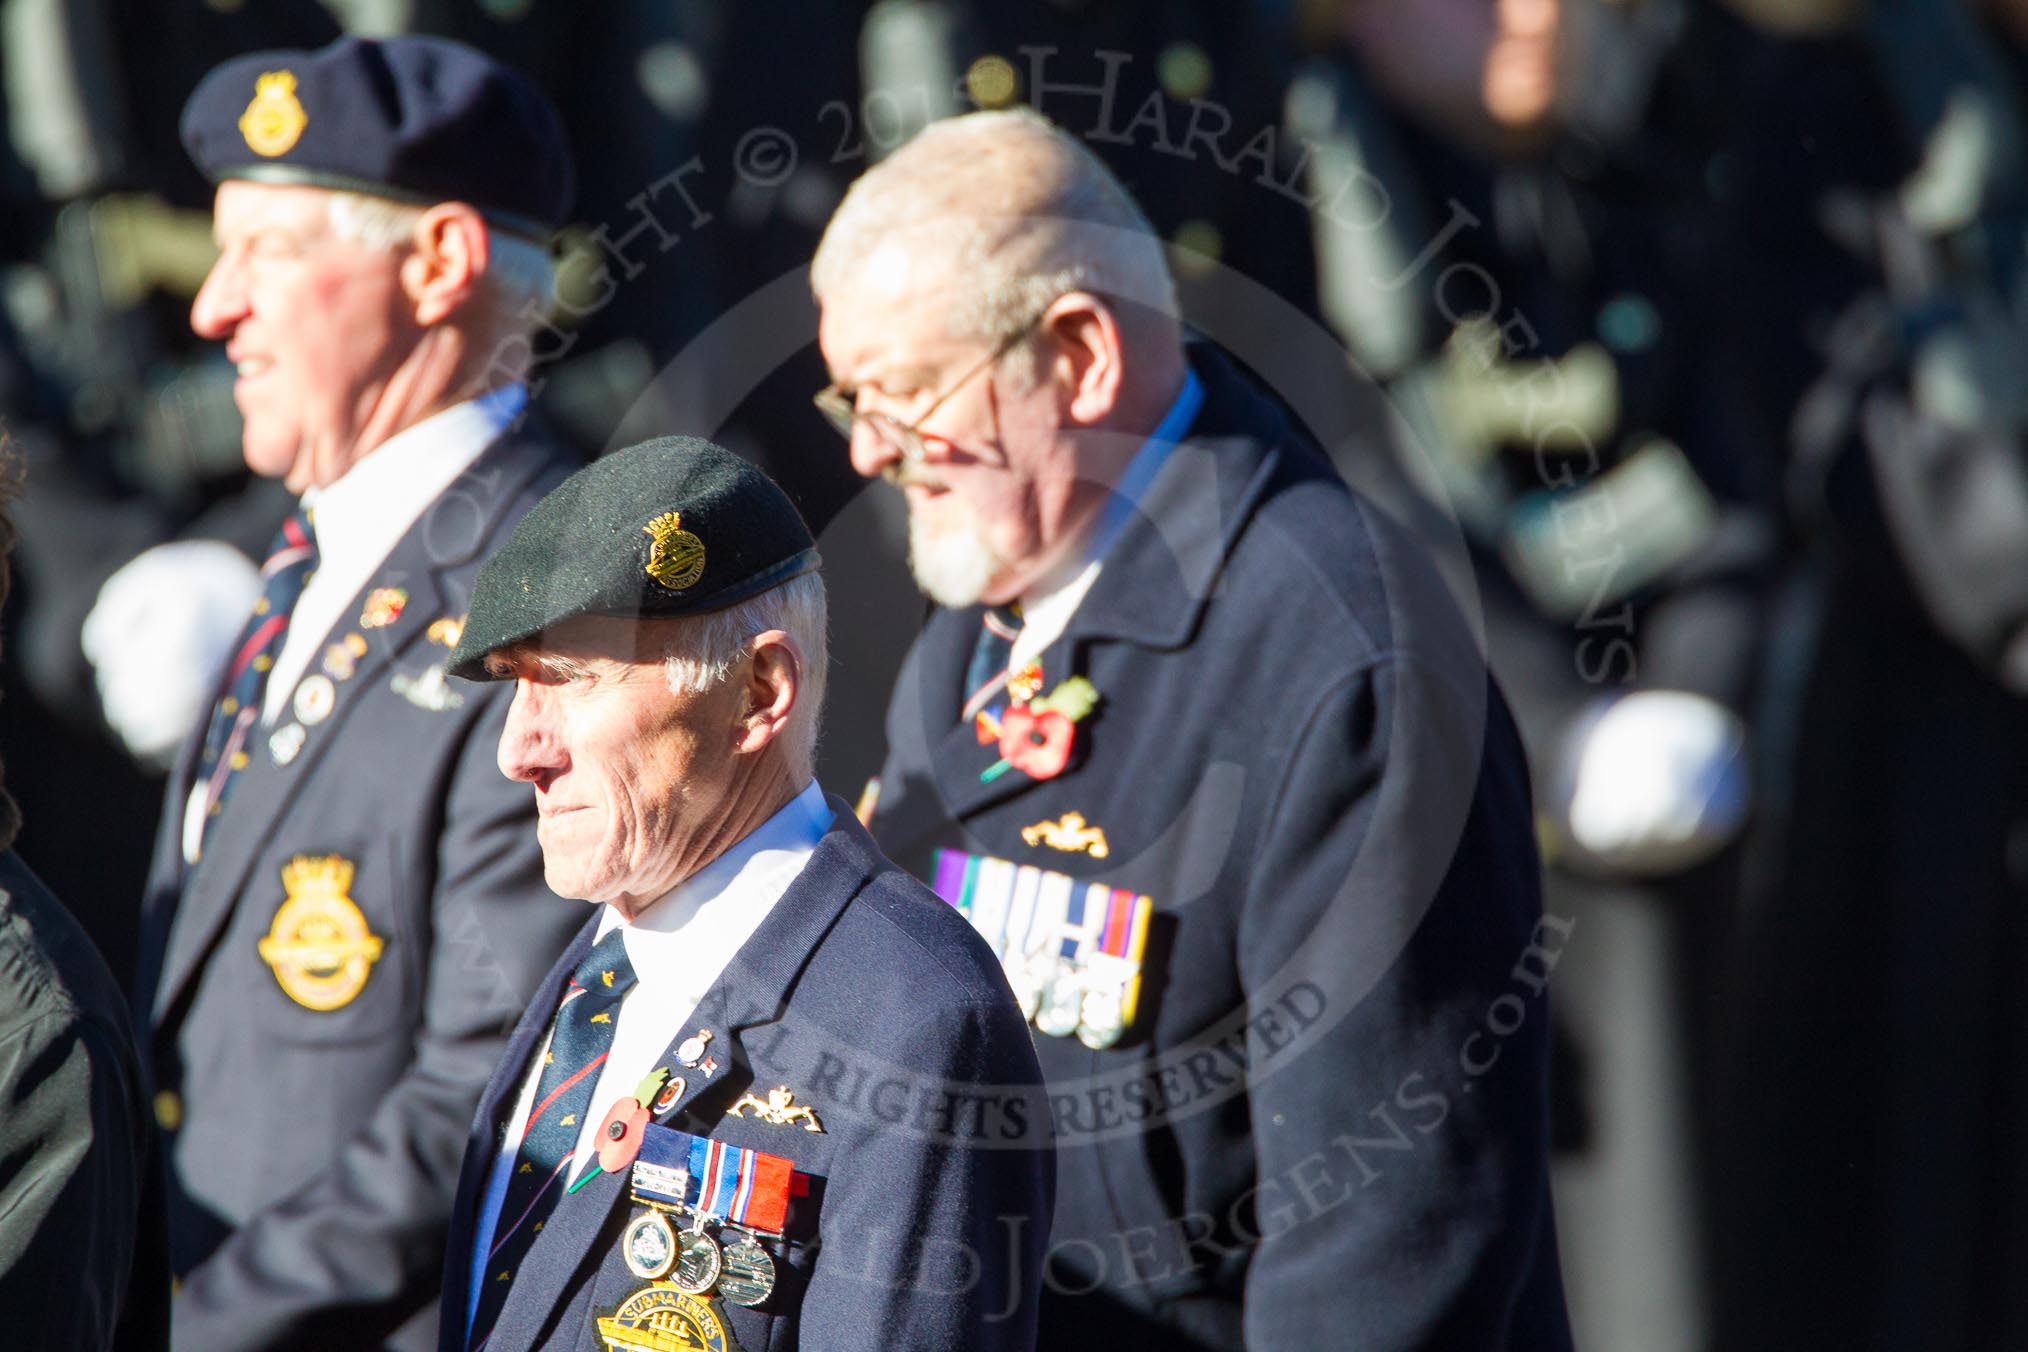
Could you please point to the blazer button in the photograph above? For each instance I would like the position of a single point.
(168, 1110)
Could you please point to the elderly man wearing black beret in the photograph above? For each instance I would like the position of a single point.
(346, 910)
(776, 1094)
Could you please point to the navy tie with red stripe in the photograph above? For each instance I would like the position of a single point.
(291, 560)
(986, 674)
(579, 1040)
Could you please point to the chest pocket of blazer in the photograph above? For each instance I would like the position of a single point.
(337, 953)
(752, 1327)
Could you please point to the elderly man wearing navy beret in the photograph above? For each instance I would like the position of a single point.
(346, 909)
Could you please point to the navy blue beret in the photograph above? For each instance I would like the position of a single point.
(417, 119)
(674, 526)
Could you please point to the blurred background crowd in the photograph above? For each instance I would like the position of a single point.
(1692, 333)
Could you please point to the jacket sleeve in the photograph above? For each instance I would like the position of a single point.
(358, 1250)
(1400, 1113)
(70, 1160)
(938, 1245)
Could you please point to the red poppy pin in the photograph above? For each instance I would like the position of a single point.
(619, 1135)
(1037, 738)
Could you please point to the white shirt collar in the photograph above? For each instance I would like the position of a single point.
(1047, 606)
(728, 897)
(361, 517)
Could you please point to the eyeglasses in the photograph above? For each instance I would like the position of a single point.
(840, 406)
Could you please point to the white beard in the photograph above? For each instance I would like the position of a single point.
(952, 567)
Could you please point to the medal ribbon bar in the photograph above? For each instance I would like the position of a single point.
(749, 1188)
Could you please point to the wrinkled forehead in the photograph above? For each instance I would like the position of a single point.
(868, 335)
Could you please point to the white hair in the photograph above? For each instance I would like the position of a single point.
(703, 651)
(1016, 211)
(519, 285)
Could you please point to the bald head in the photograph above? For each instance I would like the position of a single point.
(995, 214)
(1000, 326)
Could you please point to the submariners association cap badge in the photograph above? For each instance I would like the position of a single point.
(275, 118)
(662, 1317)
(676, 559)
(319, 943)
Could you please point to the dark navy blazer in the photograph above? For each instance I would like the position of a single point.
(311, 1153)
(1327, 1125)
(881, 1010)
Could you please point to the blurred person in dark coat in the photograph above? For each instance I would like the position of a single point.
(81, 1254)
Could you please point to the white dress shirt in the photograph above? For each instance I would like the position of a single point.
(1046, 607)
(362, 517)
(679, 945)
(358, 521)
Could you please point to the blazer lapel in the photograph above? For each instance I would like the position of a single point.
(754, 989)
(448, 533)
(1158, 575)
(265, 789)
(482, 1144)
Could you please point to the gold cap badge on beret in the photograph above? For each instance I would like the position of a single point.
(275, 118)
(676, 559)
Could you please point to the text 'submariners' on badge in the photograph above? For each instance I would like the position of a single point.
(709, 1209)
(660, 1318)
(319, 944)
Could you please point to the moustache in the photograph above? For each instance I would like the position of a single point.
(911, 476)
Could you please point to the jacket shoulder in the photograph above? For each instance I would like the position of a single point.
(898, 931)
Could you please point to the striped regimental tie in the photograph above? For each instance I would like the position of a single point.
(291, 560)
(986, 674)
(579, 1040)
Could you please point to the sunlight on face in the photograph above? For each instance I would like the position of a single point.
(628, 775)
(315, 325)
(992, 448)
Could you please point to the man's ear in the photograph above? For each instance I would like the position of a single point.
(1085, 357)
(452, 252)
(774, 682)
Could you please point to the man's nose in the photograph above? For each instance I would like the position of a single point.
(872, 451)
(528, 747)
(220, 303)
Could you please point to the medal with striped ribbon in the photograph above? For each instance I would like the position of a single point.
(742, 1193)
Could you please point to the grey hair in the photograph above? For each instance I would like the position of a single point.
(519, 286)
(1017, 210)
(704, 650)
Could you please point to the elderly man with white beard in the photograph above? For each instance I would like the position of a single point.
(1201, 745)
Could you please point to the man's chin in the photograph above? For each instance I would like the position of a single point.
(264, 459)
(569, 884)
(953, 571)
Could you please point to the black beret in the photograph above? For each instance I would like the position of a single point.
(421, 120)
(673, 526)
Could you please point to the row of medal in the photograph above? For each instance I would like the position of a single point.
(1072, 950)
(710, 1207)
(316, 695)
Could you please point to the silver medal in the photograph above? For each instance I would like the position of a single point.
(748, 1273)
(649, 1246)
(285, 742)
(315, 698)
(1060, 1008)
(698, 1263)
